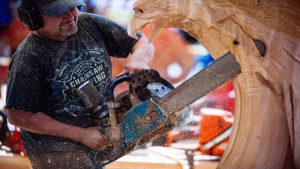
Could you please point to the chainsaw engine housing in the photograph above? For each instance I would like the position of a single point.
(135, 117)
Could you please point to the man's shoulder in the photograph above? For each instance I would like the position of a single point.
(24, 47)
(28, 51)
(86, 17)
(92, 18)
(28, 45)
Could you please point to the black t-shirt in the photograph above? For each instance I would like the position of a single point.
(44, 74)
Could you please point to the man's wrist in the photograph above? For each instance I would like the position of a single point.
(75, 133)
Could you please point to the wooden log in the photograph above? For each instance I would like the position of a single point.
(266, 129)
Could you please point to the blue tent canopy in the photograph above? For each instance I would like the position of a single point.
(4, 12)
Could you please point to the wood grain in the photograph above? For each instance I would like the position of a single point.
(266, 130)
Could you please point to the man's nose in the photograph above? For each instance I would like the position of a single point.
(68, 14)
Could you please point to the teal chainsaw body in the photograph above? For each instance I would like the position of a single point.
(142, 120)
(151, 107)
(133, 118)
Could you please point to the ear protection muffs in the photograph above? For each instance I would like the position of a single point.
(30, 16)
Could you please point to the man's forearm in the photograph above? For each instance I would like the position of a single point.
(41, 123)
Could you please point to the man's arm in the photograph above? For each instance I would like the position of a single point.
(141, 54)
(41, 123)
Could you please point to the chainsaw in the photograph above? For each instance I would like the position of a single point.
(150, 107)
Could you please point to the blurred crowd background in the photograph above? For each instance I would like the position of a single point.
(178, 56)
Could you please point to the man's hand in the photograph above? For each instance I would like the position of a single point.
(94, 139)
(135, 65)
(142, 54)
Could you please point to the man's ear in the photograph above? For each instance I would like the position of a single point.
(30, 15)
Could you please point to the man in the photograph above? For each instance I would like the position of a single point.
(65, 51)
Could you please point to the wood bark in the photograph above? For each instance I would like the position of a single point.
(266, 129)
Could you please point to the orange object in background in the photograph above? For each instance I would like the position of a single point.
(213, 132)
(215, 122)
(215, 128)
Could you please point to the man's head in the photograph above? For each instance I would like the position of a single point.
(56, 19)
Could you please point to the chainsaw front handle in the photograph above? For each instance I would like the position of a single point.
(111, 87)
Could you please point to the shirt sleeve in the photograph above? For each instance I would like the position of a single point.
(23, 88)
(22, 92)
(116, 39)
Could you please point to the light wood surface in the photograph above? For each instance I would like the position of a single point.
(144, 162)
(178, 153)
(14, 162)
(266, 129)
(150, 158)
(127, 162)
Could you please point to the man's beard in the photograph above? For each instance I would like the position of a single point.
(68, 30)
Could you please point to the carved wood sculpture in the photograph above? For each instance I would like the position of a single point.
(266, 132)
